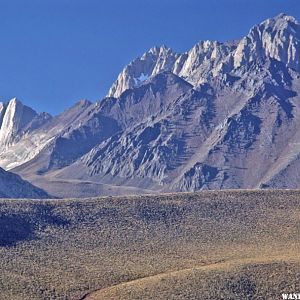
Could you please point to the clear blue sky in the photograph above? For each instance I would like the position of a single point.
(55, 52)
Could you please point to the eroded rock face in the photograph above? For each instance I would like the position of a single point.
(157, 59)
(204, 60)
(277, 38)
(15, 116)
(2, 111)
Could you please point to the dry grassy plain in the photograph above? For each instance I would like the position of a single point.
(206, 245)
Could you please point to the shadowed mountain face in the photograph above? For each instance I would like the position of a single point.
(13, 186)
(222, 115)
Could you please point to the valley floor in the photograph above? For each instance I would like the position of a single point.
(205, 245)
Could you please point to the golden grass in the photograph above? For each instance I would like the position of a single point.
(234, 280)
(208, 245)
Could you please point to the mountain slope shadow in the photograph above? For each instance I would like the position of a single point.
(15, 228)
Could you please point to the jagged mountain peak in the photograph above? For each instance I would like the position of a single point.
(159, 50)
(206, 44)
(278, 25)
(155, 60)
(15, 100)
(83, 103)
(76, 108)
(275, 38)
(205, 50)
(283, 17)
(192, 65)
(15, 117)
(20, 117)
(167, 76)
(2, 111)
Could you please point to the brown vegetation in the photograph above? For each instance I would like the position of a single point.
(206, 245)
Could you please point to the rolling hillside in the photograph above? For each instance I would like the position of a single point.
(216, 245)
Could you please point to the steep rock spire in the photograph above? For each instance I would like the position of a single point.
(15, 118)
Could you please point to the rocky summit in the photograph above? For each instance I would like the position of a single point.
(219, 116)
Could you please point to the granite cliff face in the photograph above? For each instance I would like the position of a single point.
(221, 115)
(277, 38)
(156, 60)
(14, 117)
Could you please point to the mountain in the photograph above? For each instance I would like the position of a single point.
(195, 66)
(221, 115)
(13, 186)
(276, 38)
(14, 118)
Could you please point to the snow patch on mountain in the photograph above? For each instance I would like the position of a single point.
(143, 77)
(155, 60)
